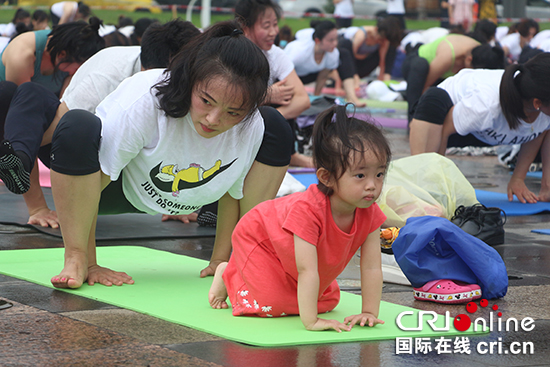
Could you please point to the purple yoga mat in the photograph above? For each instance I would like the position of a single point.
(389, 122)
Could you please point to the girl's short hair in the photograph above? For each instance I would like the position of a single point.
(322, 28)
(40, 15)
(79, 40)
(523, 82)
(247, 12)
(336, 136)
(525, 25)
(221, 51)
(20, 15)
(390, 29)
(486, 56)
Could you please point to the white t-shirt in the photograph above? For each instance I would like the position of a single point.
(545, 45)
(3, 43)
(57, 9)
(166, 166)
(280, 65)
(395, 7)
(511, 41)
(540, 38)
(475, 95)
(301, 53)
(9, 30)
(304, 34)
(100, 75)
(344, 9)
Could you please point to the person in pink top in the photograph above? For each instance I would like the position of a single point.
(461, 12)
(287, 252)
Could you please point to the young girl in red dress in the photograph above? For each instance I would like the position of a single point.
(287, 252)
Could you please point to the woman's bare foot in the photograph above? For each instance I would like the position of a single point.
(301, 160)
(218, 292)
(74, 273)
(356, 101)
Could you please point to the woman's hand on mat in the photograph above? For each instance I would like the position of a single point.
(363, 319)
(185, 218)
(517, 187)
(322, 324)
(44, 217)
(210, 270)
(108, 277)
(280, 93)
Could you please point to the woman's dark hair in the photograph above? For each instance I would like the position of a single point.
(222, 51)
(161, 42)
(525, 25)
(488, 57)
(124, 21)
(336, 136)
(247, 12)
(322, 28)
(79, 40)
(484, 31)
(116, 38)
(140, 27)
(524, 82)
(19, 15)
(83, 9)
(390, 29)
(21, 28)
(40, 15)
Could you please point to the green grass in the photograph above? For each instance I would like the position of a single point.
(111, 17)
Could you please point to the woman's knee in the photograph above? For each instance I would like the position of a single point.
(75, 143)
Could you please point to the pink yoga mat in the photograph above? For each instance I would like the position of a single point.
(44, 175)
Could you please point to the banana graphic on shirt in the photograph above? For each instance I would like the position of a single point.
(194, 173)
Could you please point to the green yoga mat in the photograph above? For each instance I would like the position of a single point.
(168, 286)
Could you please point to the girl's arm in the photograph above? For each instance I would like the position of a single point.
(228, 216)
(371, 282)
(299, 101)
(308, 288)
(382, 52)
(321, 80)
(526, 155)
(19, 59)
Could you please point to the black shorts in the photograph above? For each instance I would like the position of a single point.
(433, 106)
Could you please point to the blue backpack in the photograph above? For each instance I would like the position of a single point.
(430, 248)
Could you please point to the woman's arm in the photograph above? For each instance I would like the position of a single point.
(448, 130)
(382, 53)
(39, 213)
(358, 39)
(517, 186)
(300, 100)
(68, 9)
(228, 216)
(371, 282)
(321, 81)
(308, 288)
(19, 58)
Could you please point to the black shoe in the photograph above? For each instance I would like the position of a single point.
(208, 215)
(12, 170)
(487, 224)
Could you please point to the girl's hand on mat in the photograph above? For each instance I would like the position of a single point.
(44, 217)
(517, 187)
(108, 277)
(211, 269)
(322, 324)
(185, 218)
(363, 319)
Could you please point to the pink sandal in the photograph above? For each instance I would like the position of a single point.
(447, 291)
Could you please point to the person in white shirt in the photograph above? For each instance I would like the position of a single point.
(20, 16)
(260, 23)
(494, 107)
(396, 8)
(343, 13)
(69, 11)
(513, 43)
(316, 56)
(171, 141)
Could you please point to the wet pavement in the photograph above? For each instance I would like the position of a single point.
(46, 327)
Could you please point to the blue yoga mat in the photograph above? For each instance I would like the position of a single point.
(306, 178)
(541, 231)
(511, 208)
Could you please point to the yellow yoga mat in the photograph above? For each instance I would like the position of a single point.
(168, 286)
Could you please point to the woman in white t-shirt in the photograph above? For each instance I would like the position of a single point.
(20, 16)
(513, 43)
(171, 141)
(315, 56)
(69, 11)
(491, 107)
(343, 13)
(260, 22)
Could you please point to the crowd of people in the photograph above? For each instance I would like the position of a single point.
(166, 118)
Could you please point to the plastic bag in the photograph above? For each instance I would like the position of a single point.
(423, 184)
(430, 248)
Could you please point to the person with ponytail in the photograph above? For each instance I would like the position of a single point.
(172, 140)
(491, 107)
